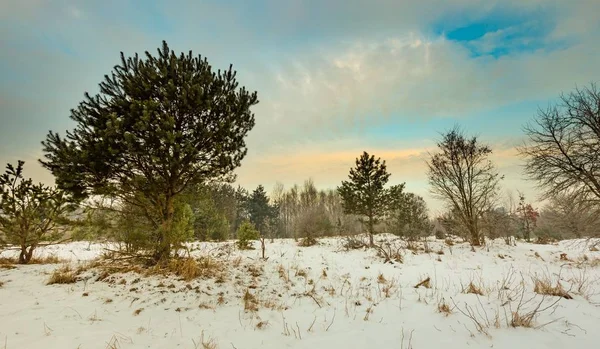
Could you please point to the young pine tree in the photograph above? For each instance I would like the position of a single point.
(364, 194)
(30, 214)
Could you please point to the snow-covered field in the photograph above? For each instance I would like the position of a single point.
(312, 297)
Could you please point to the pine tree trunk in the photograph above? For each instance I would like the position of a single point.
(26, 254)
(163, 248)
(371, 228)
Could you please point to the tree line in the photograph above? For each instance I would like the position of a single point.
(150, 165)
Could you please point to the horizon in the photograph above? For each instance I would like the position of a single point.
(329, 88)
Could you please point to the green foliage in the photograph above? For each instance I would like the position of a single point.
(159, 124)
(408, 214)
(261, 213)
(30, 214)
(364, 194)
(245, 234)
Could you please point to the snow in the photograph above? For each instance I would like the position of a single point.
(310, 297)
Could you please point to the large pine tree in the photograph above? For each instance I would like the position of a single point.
(365, 194)
(159, 124)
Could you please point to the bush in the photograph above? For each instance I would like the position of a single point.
(312, 224)
(546, 235)
(246, 232)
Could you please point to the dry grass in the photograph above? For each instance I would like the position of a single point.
(138, 311)
(301, 273)
(205, 343)
(474, 289)
(424, 283)
(254, 271)
(519, 320)
(63, 275)
(544, 286)
(283, 273)
(444, 308)
(307, 242)
(250, 301)
(1, 284)
(262, 325)
(190, 268)
(381, 279)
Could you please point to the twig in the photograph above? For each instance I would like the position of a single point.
(311, 325)
(333, 318)
(313, 297)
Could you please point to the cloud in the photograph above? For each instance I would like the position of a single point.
(330, 75)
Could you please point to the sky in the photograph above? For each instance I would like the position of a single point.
(334, 77)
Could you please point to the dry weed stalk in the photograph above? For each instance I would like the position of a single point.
(205, 343)
(390, 253)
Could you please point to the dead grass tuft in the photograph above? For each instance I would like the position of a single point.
(444, 308)
(519, 320)
(474, 289)
(425, 283)
(205, 343)
(301, 273)
(63, 275)
(381, 279)
(283, 273)
(250, 301)
(254, 270)
(262, 325)
(307, 242)
(544, 286)
(190, 268)
(138, 311)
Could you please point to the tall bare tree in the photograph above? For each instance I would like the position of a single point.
(462, 175)
(563, 152)
(571, 216)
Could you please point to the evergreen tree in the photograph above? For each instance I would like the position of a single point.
(30, 214)
(259, 209)
(159, 124)
(365, 194)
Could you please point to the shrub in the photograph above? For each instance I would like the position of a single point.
(546, 235)
(307, 241)
(63, 275)
(246, 232)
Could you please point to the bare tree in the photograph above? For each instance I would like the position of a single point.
(462, 175)
(571, 216)
(563, 152)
